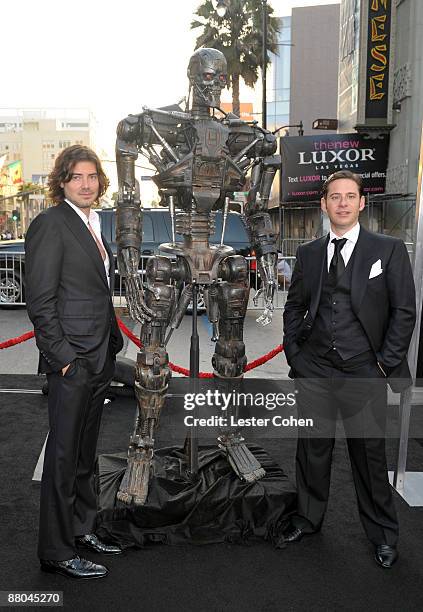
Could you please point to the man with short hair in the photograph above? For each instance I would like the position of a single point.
(69, 274)
(348, 321)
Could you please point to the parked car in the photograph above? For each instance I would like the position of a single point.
(156, 230)
(11, 271)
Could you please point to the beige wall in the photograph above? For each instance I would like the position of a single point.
(36, 140)
(39, 140)
(314, 65)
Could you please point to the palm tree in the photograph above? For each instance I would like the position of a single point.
(239, 36)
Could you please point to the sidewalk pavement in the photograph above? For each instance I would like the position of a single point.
(258, 340)
(23, 358)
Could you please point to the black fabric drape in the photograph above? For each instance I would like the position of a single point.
(217, 507)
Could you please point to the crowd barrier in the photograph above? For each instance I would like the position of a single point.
(12, 282)
(12, 292)
(175, 368)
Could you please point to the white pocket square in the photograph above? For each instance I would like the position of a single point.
(376, 269)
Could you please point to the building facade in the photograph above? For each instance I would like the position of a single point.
(381, 92)
(303, 78)
(30, 140)
(407, 99)
(302, 87)
(314, 65)
(279, 79)
(37, 136)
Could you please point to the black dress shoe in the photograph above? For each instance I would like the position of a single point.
(295, 534)
(386, 555)
(92, 542)
(74, 568)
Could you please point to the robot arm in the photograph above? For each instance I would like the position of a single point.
(262, 236)
(129, 219)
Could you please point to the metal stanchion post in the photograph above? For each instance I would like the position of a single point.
(410, 485)
(194, 368)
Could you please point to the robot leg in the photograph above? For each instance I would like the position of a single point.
(229, 359)
(152, 377)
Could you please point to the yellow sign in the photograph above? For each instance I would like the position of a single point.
(378, 48)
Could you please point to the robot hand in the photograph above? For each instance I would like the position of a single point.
(267, 268)
(138, 309)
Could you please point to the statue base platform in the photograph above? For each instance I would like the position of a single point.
(216, 507)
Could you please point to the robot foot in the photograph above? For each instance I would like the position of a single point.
(134, 485)
(241, 459)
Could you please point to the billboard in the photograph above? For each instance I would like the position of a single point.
(15, 172)
(10, 176)
(307, 161)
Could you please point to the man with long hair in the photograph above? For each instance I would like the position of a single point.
(69, 274)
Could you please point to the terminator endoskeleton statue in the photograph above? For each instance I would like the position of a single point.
(200, 160)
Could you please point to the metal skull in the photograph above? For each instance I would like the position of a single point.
(207, 73)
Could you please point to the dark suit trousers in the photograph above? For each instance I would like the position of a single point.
(357, 390)
(68, 499)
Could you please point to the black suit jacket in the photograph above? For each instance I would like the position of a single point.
(67, 294)
(385, 305)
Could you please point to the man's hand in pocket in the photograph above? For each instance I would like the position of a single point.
(65, 369)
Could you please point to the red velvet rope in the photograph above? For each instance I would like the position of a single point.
(18, 340)
(250, 366)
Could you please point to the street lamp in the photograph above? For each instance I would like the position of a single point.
(264, 62)
(299, 125)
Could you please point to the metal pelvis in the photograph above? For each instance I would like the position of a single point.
(203, 263)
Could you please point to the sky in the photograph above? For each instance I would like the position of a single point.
(112, 58)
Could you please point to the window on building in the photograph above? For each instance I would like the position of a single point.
(147, 229)
(32, 126)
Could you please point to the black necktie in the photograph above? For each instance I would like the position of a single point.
(337, 265)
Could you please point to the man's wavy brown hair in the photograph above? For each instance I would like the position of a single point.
(63, 169)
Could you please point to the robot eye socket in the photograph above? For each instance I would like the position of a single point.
(208, 76)
(222, 78)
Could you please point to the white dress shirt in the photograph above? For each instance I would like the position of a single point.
(348, 248)
(94, 221)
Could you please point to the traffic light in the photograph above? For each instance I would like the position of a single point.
(16, 215)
